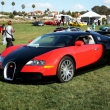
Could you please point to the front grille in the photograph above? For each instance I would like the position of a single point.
(9, 71)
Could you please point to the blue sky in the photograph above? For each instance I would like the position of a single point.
(54, 5)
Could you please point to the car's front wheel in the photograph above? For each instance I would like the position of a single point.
(66, 69)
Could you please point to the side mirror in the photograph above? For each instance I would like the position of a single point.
(79, 43)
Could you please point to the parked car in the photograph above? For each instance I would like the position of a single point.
(77, 24)
(54, 22)
(60, 29)
(105, 28)
(69, 28)
(38, 23)
(58, 54)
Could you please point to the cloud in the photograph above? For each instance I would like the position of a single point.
(78, 7)
(106, 1)
(41, 5)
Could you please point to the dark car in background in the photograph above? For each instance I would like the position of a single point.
(38, 23)
(69, 28)
(60, 29)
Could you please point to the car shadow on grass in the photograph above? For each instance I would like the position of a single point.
(43, 81)
(88, 69)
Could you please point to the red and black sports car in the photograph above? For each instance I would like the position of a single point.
(57, 53)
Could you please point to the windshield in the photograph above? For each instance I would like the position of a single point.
(51, 40)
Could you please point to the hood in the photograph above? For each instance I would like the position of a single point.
(24, 54)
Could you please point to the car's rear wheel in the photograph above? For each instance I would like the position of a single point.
(66, 69)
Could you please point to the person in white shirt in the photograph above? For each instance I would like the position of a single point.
(9, 33)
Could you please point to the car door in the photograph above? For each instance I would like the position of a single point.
(88, 54)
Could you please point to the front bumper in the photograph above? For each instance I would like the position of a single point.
(27, 72)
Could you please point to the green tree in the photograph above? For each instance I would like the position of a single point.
(13, 4)
(68, 13)
(14, 12)
(102, 10)
(63, 12)
(2, 5)
(96, 9)
(11, 15)
(19, 13)
(48, 9)
(73, 14)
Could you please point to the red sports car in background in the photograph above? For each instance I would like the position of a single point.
(52, 23)
(0, 29)
(58, 54)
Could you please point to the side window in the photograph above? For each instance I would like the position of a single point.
(81, 38)
(63, 40)
(88, 39)
(91, 39)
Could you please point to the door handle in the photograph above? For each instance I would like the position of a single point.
(96, 48)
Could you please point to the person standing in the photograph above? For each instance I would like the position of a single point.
(9, 34)
(99, 22)
(3, 34)
(93, 26)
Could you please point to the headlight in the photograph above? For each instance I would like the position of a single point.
(1, 58)
(36, 62)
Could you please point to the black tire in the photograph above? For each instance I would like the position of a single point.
(66, 69)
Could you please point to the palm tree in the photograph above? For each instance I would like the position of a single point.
(2, 5)
(33, 6)
(13, 4)
(23, 6)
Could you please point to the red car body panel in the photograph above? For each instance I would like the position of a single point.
(88, 54)
(52, 22)
(0, 29)
(83, 56)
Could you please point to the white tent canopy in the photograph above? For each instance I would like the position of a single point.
(90, 15)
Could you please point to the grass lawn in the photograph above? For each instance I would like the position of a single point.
(87, 91)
